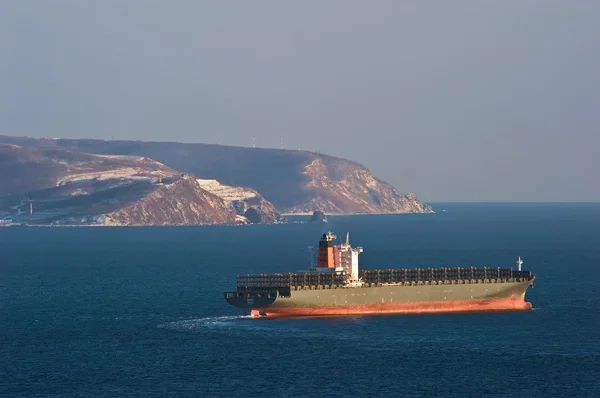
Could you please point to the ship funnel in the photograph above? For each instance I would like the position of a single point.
(325, 256)
(347, 238)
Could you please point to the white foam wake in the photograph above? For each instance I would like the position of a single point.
(201, 323)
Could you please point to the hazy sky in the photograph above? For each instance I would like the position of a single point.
(455, 100)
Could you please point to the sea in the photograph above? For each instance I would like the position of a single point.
(128, 312)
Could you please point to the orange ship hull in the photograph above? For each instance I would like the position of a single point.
(500, 304)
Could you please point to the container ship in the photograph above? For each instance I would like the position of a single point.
(335, 286)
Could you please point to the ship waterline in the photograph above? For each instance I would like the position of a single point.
(425, 307)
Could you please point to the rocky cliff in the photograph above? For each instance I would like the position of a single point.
(246, 202)
(181, 202)
(293, 181)
(343, 187)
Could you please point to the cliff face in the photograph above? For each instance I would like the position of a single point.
(342, 187)
(293, 181)
(246, 202)
(182, 202)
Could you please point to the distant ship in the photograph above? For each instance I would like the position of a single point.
(337, 287)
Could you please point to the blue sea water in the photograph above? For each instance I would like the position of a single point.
(139, 311)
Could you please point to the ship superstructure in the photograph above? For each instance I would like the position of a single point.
(336, 286)
(339, 258)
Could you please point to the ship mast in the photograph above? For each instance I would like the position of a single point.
(519, 263)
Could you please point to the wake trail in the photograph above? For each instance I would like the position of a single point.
(204, 323)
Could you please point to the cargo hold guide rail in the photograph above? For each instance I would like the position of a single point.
(416, 276)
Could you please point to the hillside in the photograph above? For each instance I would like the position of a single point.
(293, 181)
(69, 188)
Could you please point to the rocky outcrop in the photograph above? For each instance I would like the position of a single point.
(318, 216)
(245, 201)
(181, 202)
(292, 181)
(343, 187)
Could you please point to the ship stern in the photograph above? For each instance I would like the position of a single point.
(250, 300)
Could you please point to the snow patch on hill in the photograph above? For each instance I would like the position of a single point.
(226, 192)
(130, 173)
(132, 158)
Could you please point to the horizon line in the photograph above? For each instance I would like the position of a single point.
(512, 202)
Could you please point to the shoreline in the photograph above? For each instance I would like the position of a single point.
(355, 214)
(16, 225)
